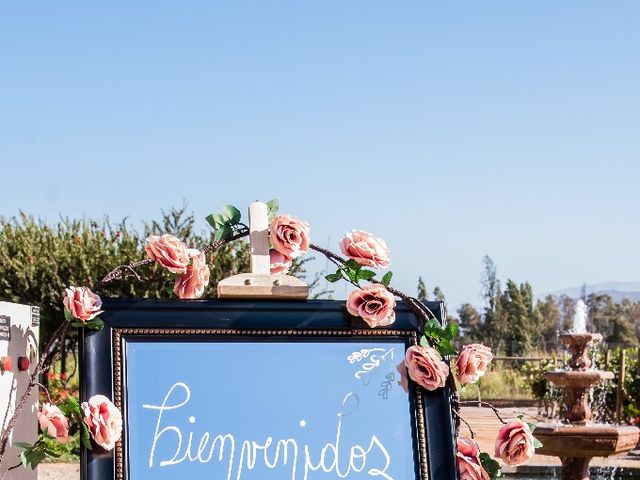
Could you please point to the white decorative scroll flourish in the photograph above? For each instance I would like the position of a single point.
(374, 358)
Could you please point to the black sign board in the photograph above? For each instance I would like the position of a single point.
(5, 327)
(262, 390)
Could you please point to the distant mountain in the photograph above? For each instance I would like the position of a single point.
(618, 290)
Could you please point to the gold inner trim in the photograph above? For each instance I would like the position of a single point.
(118, 369)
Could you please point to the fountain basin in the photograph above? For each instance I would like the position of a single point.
(578, 379)
(585, 441)
(580, 338)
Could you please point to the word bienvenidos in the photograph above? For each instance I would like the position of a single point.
(242, 456)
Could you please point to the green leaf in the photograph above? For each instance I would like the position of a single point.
(365, 274)
(424, 341)
(222, 233)
(215, 220)
(95, 324)
(273, 206)
(25, 445)
(445, 347)
(537, 443)
(68, 316)
(351, 264)
(231, 214)
(433, 326)
(334, 277)
(386, 279)
(85, 436)
(451, 331)
(532, 426)
(31, 458)
(491, 466)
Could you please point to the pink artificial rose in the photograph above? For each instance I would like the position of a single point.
(289, 235)
(191, 284)
(81, 303)
(374, 303)
(365, 249)
(104, 421)
(515, 443)
(54, 423)
(426, 367)
(280, 263)
(469, 465)
(168, 251)
(472, 362)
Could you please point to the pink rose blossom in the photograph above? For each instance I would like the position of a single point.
(289, 235)
(191, 284)
(374, 303)
(280, 263)
(365, 249)
(168, 251)
(472, 362)
(104, 421)
(469, 465)
(54, 423)
(82, 303)
(515, 443)
(426, 367)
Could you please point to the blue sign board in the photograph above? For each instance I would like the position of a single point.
(221, 391)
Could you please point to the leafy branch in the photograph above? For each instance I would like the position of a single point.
(440, 337)
(491, 466)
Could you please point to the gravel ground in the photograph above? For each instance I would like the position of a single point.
(59, 471)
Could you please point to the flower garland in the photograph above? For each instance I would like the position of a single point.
(100, 422)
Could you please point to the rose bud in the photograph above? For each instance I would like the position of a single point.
(515, 443)
(289, 235)
(426, 367)
(104, 421)
(191, 284)
(374, 303)
(168, 251)
(81, 303)
(365, 249)
(54, 423)
(472, 362)
(469, 465)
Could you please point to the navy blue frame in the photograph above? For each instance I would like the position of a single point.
(98, 374)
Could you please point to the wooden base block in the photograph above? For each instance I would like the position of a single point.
(263, 286)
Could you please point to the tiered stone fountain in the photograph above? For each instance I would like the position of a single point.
(578, 440)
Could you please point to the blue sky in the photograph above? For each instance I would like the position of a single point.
(452, 130)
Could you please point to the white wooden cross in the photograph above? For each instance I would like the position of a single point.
(260, 283)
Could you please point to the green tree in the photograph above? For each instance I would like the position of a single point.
(567, 310)
(439, 295)
(470, 322)
(39, 260)
(551, 318)
(517, 315)
(493, 328)
(612, 320)
(423, 293)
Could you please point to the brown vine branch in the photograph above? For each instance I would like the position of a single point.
(483, 404)
(420, 309)
(121, 272)
(473, 434)
(130, 270)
